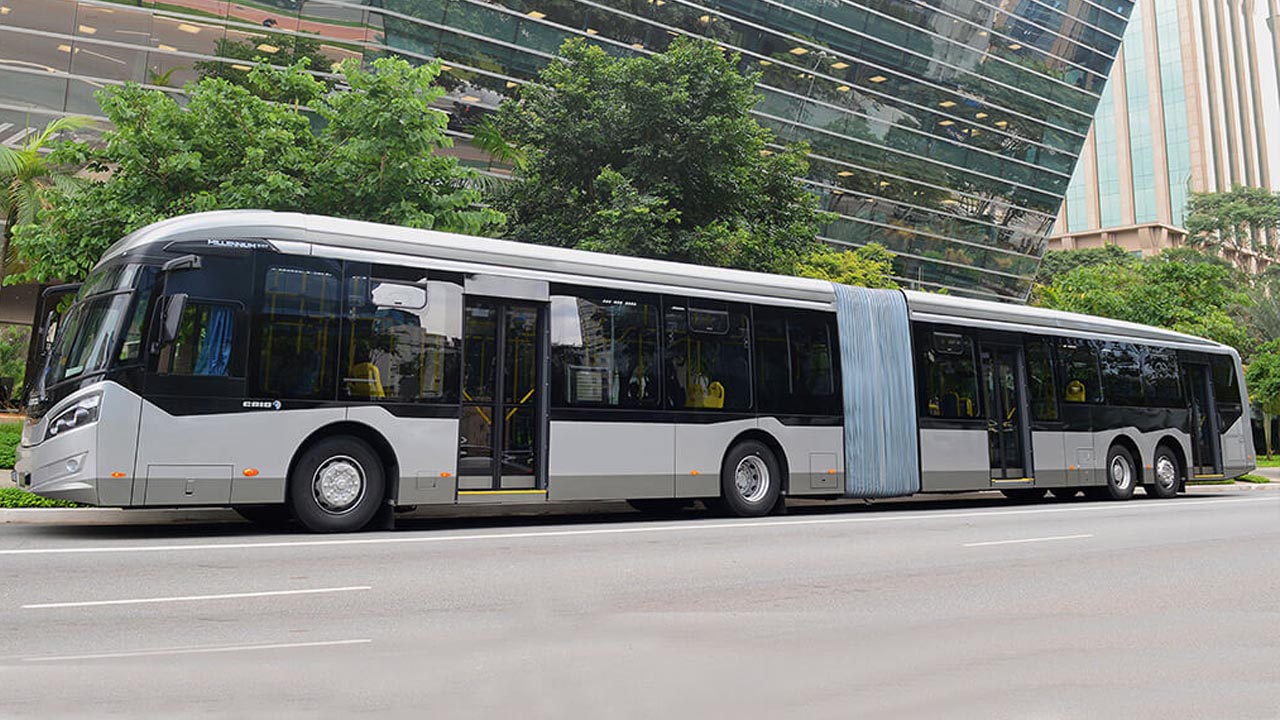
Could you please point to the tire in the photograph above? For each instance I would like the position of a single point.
(1024, 494)
(659, 506)
(750, 480)
(1122, 474)
(1064, 493)
(269, 517)
(1166, 472)
(337, 485)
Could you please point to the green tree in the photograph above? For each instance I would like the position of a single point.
(655, 156)
(1244, 218)
(1057, 262)
(26, 173)
(868, 266)
(1263, 378)
(1183, 290)
(368, 154)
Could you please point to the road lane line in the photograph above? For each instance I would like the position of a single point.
(198, 650)
(682, 526)
(193, 598)
(1027, 540)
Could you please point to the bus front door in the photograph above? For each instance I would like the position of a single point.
(503, 414)
(1206, 438)
(1007, 431)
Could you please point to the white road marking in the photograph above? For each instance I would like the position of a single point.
(198, 650)
(686, 527)
(1027, 540)
(192, 598)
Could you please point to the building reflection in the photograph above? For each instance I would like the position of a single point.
(946, 133)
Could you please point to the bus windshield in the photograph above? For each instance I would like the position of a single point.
(88, 331)
(87, 338)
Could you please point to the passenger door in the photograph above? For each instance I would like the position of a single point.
(1206, 436)
(503, 429)
(1008, 433)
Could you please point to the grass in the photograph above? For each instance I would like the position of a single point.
(15, 498)
(10, 436)
(1269, 463)
(1224, 481)
(1255, 479)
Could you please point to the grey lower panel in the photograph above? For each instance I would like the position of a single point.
(816, 483)
(700, 485)
(952, 480)
(1051, 478)
(1234, 471)
(501, 498)
(427, 489)
(188, 485)
(608, 487)
(257, 490)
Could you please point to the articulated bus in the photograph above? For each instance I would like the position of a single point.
(332, 372)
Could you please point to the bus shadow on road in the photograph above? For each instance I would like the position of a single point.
(452, 518)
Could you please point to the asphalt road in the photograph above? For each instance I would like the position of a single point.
(957, 608)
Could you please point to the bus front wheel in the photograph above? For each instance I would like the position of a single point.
(750, 480)
(337, 485)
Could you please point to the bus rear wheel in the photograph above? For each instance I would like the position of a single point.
(1122, 473)
(337, 485)
(750, 480)
(1164, 474)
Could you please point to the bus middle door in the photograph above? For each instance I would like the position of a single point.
(1004, 382)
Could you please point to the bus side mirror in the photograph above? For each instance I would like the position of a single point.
(171, 317)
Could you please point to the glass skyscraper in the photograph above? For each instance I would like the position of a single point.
(946, 130)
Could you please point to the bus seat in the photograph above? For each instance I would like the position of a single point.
(715, 396)
(366, 380)
(1075, 392)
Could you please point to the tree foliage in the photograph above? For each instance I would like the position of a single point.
(1244, 218)
(868, 266)
(1263, 378)
(1182, 289)
(1058, 262)
(655, 156)
(277, 48)
(26, 173)
(367, 153)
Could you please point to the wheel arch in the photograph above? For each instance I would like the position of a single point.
(1179, 454)
(1127, 443)
(375, 439)
(770, 442)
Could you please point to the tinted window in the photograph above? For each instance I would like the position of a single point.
(205, 344)
(1160, 377)
(604, 350)
(949, 376)
(296, 331)
(1044, 392)
(1121, 374)
(403, 342)
(796, 362)
(1224, 380)
(707, 362)
(131, 346)
(1078, 363)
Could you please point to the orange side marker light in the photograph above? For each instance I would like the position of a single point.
(119, 474)
(445, 474)
(251, 472)
(693, 472)
(831, 471)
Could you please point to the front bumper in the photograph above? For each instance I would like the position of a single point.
(62, 468)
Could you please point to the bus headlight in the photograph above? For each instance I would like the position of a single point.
(84, 412)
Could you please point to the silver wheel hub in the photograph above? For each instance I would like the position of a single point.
(338, 484)
(1166, 472)
(752, 478)
(1121, 473)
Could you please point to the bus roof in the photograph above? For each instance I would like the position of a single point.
(340, 237)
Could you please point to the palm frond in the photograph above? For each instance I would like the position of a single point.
(68, 123)
(10, 162)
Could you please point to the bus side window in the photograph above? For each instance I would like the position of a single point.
(950, 376)
(1044, 393)
(205, 342)
(1078, 362)
(707, 361)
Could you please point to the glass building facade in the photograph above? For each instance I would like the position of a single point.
(946, 130)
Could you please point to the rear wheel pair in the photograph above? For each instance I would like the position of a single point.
(1123, 476)
(337, 485)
